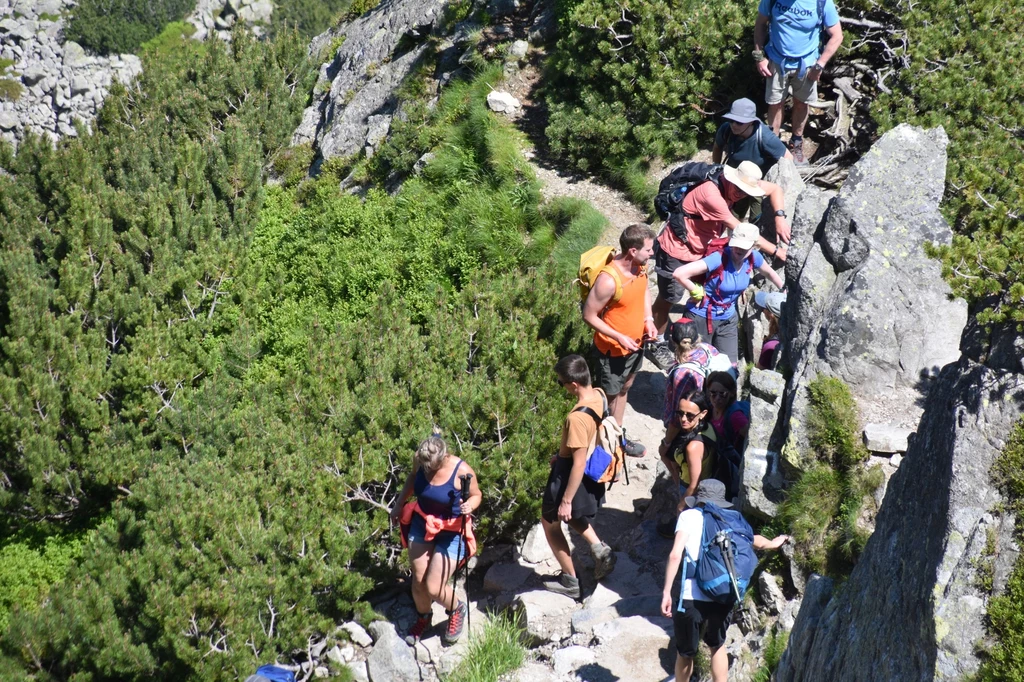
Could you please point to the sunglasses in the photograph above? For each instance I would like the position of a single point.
(688, 416)
(718, 394)
(562, 383)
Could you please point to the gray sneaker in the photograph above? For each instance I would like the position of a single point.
(604, 559)
(661, 355)
(566, 584)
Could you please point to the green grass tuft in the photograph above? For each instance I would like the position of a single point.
(499, 650)
(774, 647)
(10, 90)
(824, 506)
(834, 424)
(1005, 660)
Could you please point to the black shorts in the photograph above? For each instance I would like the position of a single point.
(669, 289)
(705, 617)
(588, 499)
(611, 371)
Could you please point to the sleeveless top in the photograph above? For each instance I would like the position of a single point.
(625, 316)
(707, 462)
(438, 500)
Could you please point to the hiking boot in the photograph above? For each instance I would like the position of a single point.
(456, 621)
(566, 584)
(604, 559)
(634, 448)
(661, 355)
(798, 153)
(417, 629)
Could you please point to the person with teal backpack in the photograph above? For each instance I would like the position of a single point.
(713, 552)
(731, 420)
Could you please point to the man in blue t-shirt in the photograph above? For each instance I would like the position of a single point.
(786, 38)
(744, 138)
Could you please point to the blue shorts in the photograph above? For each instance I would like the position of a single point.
(447, 543)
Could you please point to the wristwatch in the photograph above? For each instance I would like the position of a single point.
(816, 66)
(780, 213)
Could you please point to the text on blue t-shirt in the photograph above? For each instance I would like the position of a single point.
(793, 35)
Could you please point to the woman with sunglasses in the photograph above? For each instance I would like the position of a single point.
(729, 417)
(688, 449)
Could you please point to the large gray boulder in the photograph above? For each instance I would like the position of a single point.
(912, 610)
(866, 304)
(376, 52)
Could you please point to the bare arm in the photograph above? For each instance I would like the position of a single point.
(835, 39)
(471, 503)
(773, 277)
(675, 557)
(579, 463)
(760, 40)
(777, 196)
(716, 154)
(684, 273)
(396, 511)
(762, 543)
(694, 455)
(598, 299)
(650, 331)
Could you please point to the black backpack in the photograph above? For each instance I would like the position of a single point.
(673, 189)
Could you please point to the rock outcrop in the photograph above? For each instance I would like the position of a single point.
(369, 58)
(59, 82)
(218, 17)
(866, 304)
(913, 609)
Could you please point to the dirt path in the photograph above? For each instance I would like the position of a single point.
(610, 202)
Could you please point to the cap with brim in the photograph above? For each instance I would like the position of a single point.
(771, 301)
(746, 176)
(744, 236)
(709, 490)
(742, 111)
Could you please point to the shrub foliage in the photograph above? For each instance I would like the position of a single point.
(639, 78)
(118, 26)
(234, 379)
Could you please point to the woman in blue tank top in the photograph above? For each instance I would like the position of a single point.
(437, 479)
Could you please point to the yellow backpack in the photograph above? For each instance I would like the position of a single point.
(593, 263)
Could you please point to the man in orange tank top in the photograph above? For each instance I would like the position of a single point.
(619, 310)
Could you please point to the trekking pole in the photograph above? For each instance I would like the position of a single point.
(727, 554)
(465, 479)
(625, 464)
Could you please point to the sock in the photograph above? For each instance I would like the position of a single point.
(661, 338)
(796, 139)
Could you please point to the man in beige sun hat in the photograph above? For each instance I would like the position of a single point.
(708, 211)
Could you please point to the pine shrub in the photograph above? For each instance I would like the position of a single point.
(119, 26)
(235, 378)
(963, 75)
(639, 79)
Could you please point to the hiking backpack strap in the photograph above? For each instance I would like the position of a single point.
(821, 14)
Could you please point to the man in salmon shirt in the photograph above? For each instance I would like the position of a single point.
(707, 210)
(619, 309)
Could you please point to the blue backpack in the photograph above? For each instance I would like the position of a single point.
(727, 559)
(275, 674)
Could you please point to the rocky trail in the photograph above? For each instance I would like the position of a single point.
(616, 632)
